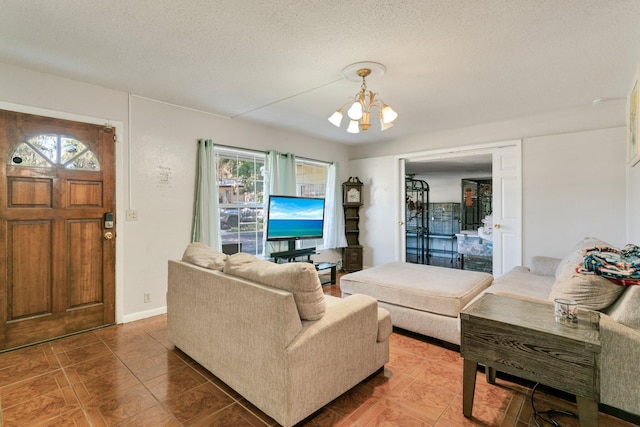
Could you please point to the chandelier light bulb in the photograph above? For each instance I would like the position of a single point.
(388, 115)
(336, 118)
(353, 127)
(355, 112)
(384, 126)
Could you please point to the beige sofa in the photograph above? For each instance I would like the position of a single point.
(550, 278)
(268, 331)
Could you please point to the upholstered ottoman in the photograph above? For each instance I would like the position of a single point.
(421, 298)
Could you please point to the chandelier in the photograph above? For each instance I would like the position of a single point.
(360, 111)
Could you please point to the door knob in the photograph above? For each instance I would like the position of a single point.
(108, 235)
(400, 222)
(496, 225)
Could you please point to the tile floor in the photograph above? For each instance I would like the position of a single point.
(130, 375)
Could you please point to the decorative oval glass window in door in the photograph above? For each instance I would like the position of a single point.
(54, 150)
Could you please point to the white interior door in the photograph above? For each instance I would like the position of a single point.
(507, 208)
(402, 214)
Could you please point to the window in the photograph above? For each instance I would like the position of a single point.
(311, 181)
(240, 175)
(50, 150)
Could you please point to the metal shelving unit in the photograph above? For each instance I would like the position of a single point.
(417, 220)
(476, 202)
(444, 223)
(477, 196)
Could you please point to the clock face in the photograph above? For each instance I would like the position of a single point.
(353, 195)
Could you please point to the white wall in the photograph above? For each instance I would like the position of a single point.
(163, 140)
(633, 204)
(163, 137)
(573, 187)
(379, 217)
(588, 117)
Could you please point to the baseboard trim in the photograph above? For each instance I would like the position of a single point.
(143, 314)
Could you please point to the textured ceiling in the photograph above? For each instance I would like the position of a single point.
(450, 63)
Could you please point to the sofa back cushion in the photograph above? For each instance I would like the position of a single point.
(299, 278)
(588, 290)
(203, 256)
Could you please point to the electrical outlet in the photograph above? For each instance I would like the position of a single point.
(132, 215)
(147, 297)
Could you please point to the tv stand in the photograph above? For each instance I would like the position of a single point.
(292, 255)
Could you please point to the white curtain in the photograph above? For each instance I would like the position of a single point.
(279, 179)
(334, 236)
(206, 215)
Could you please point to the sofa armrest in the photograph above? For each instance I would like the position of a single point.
(385, 327)
(333, 354)
(619, 367)
(355, 315)
(544, 265)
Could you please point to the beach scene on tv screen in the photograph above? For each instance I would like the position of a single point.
(295, 218)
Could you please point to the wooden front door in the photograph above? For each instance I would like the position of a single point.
(57, 254)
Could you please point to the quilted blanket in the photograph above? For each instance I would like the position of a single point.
(621, 266)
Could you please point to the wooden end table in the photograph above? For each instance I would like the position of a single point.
(522, 338)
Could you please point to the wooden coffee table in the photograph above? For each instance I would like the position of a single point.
(522, 338)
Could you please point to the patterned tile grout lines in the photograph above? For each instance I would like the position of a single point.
(233, 400)
(136, 377)
(64, 372)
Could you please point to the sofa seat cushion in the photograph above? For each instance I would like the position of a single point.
(299, 278)
(520, 281)
(203, 256)
(588, 290)
(439, 290)
(384, 318)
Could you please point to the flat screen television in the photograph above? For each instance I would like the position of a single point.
(291, 218)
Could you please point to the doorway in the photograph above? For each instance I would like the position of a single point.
(453, 211)
(57, 227)
(444, 172)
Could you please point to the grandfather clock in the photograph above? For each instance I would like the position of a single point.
(351, 201)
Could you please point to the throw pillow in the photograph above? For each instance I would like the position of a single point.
(299, 278)
(574, 257)
(203, 256)
(588, 290)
